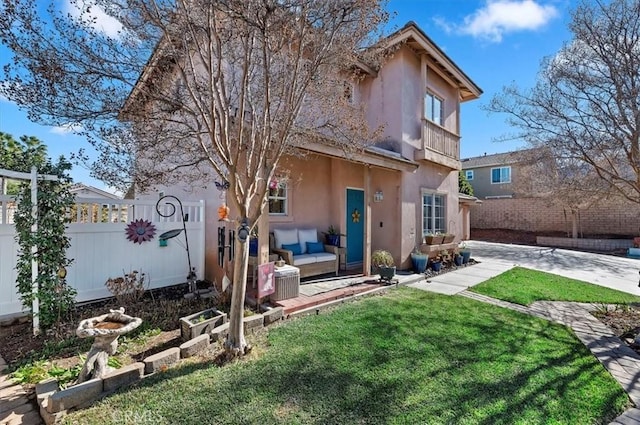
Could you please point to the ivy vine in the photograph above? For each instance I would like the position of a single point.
(56, 298)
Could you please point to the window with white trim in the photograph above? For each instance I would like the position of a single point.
(433, 213)
(501, 175)
(433, 108)
(278, 198)
(469, 174)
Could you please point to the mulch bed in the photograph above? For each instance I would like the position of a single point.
(159, 308)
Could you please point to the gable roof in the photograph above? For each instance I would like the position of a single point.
(442, 64)
(81, 190)
(505, 158)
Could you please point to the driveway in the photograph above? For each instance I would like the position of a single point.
(605, 270)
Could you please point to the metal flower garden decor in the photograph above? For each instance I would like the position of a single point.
(140, 230)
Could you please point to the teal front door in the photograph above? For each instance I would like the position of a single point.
(355, 225)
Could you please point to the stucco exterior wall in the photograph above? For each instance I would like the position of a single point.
(536, 215)
(482, 186)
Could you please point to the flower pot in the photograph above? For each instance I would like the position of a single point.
(448, 238)
(386, 273)
(433, 239)
(253, 247)
(457, 260)
(419, 262)
(333, 240)
(466, 255)
(200, 323)
(436, 266)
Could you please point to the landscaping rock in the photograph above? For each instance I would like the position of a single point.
(162, 360)
(75, 396)
(123, 376)
(194, 346)
(272, 315)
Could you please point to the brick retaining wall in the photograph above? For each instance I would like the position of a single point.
(537, 215)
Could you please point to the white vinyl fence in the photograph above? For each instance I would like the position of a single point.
(100, 248)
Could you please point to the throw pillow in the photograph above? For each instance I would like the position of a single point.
(315, 247)
(307, 235)
(294, 248)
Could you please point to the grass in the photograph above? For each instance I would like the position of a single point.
(524, 286)
(406, 358)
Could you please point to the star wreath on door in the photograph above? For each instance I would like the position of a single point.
(355, 216)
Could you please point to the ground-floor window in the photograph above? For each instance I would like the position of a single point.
(278, 198)
(433, 213)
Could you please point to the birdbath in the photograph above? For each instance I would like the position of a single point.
(106, 329)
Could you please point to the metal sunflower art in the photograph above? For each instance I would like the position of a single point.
(140, 231)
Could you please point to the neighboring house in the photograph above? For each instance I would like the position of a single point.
(93, 205)
(80, 191)
(390, 195)
(493, 176)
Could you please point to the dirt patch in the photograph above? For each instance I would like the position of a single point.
(624, 321)
(159, 309)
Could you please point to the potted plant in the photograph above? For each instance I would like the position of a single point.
(253, 242)
(382, 262)
(457, 257)
(465, 252)
(435, 263)
(419, 260)
(448, 238)
(433, 238)
(332, 236)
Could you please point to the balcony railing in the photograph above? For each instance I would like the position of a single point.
(440, 140)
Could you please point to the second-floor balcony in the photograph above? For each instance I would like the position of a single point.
(439, 145)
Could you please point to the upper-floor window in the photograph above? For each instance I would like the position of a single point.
(433, 213)
(278, 198)
(469, 174)
(433, 107)
(501, 175)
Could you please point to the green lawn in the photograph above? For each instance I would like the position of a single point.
(409, 357)
(524, 286)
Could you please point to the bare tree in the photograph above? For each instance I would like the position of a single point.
(585, 105)
(203, 89)
(564, 182)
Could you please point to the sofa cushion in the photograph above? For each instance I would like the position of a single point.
(325, 256)
(307, 235)
(315, 247)
(285, 236)
(293, 247)
(301, 260)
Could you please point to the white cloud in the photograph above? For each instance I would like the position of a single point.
(95, 16)
(499, 17)
(66, 129)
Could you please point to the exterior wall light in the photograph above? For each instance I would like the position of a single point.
(378, 196)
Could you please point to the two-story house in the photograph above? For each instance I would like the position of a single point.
(392, 194)
(493, 176)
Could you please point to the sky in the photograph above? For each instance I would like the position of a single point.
(495, 43)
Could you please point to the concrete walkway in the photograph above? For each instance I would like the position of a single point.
(613, 272)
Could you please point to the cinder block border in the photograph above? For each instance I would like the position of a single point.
(55, 404)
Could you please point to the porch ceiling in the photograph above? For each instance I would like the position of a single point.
(370, 156)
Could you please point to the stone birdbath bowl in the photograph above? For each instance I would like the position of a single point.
(105, 329)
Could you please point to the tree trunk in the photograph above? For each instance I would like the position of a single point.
(236, 343)
(574, 224)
